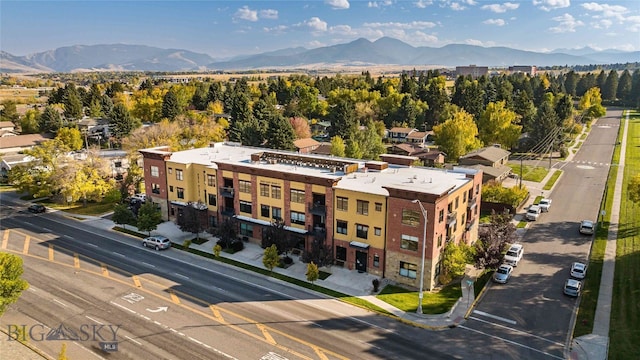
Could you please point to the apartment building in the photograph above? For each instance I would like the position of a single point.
(363, 210)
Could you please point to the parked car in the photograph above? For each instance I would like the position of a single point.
(572, 287)
(514, 254)
(544, 204)
(503, 274)
(533, 213)
(578, 270)
(157, 242)
(587, 227)
(142, 197)
(37, 208)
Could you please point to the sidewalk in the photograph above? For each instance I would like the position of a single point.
(349, 282)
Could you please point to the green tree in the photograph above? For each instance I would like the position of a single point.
(149, 217)
(70, 137)
(11, 283)
(591, 104)
(496, 125)
(546, 121)
(190, 220)
(610, 89)
(633, 189)
(564, 108)
(50, 120)
(312, 272)
(280, 134)
(624, 86)
(30, 122)
(9, 111)
(457, 136)
(456, 257)
(72, 102)
(270, 259)
(342, 118)
(122, 215)
(122, 123)
(170, 105)
(337, 146)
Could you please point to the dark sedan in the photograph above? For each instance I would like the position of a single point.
(37, 208)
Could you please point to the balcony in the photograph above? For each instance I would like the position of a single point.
(226, 192)
(318, 209)
(472, 202)
(228, 211)
(318, 231)
(451, 218)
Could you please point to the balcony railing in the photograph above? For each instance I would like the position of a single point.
(228, 211)
(451, 217)
(319, 231)
(318, 209)
(226, 191)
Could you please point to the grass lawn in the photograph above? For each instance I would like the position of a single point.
(432, 302)
(91, 208)
(624, 332)
(530, 173)
(552, 180)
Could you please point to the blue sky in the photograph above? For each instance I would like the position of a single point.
(228, 28)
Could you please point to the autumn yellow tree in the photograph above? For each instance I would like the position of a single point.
(496, 125)
(457, 136)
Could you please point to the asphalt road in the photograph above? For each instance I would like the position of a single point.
(531, 310)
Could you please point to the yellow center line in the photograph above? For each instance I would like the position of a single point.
(105, 271)
(217, 314)
(174, 297)
(136, 281)
(5, 239)
(27, 240)
(267, 335)
(50, 252)
(76, 261)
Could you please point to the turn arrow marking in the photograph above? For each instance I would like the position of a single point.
(161, 308)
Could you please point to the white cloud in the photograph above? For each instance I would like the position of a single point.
(457, 7)
(406, 26)
(474, 42)
(268, 14)
(342, 30)
(609, 11)
(314, 24)
(424, 38)
(276, 29)
(500, 8)
(337, 4)
(497, 22)
(566, 23)
(378, 4)
(423, 3)
(633, 23)
(548, 5)
(602, 24)
(244, 13)
(315, 44)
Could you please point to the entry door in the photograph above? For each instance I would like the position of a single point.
(361, 261)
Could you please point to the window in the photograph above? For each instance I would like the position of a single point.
(341, 227)
(440, 241)
(377, 231)
(180, 192)
(155, 172)
(265, 210)
(264, 190)
(276, 192)
(411, 217)
(212, 200)
(297, 218)
(179, 174)
(246, 229)
(244, 186)
(464, 197)
(297, 196)
(457, 200)
(362, 207)
(378, 206)
(376, 260)
(170, 188)
(342, 203)
(341, 253)
(409, 242)
(245, 207)
(213, 221)
(170, 170)
(362, 231)
(155, 188)
(276, 213)
(211, 180)
(441, 216)
(117, 164)
(408, 270)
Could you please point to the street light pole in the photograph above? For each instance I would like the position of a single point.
(424, 250)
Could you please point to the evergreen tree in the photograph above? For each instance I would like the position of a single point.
(50, 120)
(170, 105)
(546, 121)
(610, 89)
(634, 96)
(564, 108)
(624, 86)
(122, 123)
(9, 112)
(280, 134)
(200, 97)
(72, 103)
(523, 106)
(149, 217)
(342, 118)
(585, 83)
(571, 82)
(601, 80)
(215, 92)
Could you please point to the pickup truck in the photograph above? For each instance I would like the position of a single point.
(533, 213)
(544, 204)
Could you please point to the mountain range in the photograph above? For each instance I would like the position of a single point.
(360, 52)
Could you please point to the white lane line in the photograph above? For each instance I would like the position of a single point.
(151, 265)
(511, 342)
(516, 330)
(133, 341)
(117, 253)
(47, 230)
(182, 276)
(94, 320)
(59, 302)
(123, 307)
(157, 323)
(512, 322)
(90, 244)
(68, 237)
(195, 340)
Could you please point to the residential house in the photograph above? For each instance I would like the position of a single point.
(18, 143)
(7, 126)
(399, 134)
(306, 146)
(492, 160)
(429, 157)
(364, 211)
